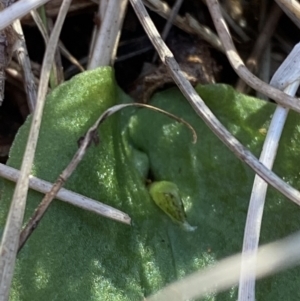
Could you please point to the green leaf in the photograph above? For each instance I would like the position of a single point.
(77, 255)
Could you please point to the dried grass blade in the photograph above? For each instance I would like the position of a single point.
(10, 238)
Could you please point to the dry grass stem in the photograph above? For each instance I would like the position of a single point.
(68, 196)
(64, 51)
(104, 50)
(17, 11)
(267, 157)
(239, 66)
(270, 259)
(292, 9)
(10, 238)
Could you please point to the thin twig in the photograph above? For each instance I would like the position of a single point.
(174, 12)
(69, 56)
(204, 112)
(91, 136)
(239, 66)
(68, 196)
(263, 39)
(57, 74)
(10, 237)
(64, 51)
(259, 190)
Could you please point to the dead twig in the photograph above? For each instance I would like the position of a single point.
(17, 11)
(10, 237)
(239, 66)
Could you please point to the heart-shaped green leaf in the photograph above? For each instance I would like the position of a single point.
(77, 255)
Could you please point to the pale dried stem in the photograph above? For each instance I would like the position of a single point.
(267, 157)
(257, 201)
(10, 37)
(223, 275)
(111, 38)
(98, 18)
(68, 196)
(104, 50)
(18, 10)
(10, 238)
(239, 66)
(57, 74)
(292, 9)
